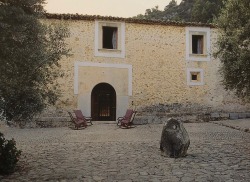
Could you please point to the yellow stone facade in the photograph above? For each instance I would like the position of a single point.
(153, 71)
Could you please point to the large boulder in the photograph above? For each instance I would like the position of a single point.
(174, 139)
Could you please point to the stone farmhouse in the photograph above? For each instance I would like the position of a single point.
(161, 69)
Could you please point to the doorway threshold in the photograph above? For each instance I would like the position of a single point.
(104, 122)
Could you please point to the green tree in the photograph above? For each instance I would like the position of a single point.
(156, 14)
(170, 11)
(184, 10)
(234, 47)
(205, 10)
(152, 14)
(187, 11)
(30, 50)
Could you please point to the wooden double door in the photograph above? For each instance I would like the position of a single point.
(103, 102)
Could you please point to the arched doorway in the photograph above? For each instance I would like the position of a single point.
(103, 102)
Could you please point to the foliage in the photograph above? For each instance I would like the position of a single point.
(188, 10)
(185, 10)
(151, 14)
(9, 155)
(30, 50)
(205, 11)
(234, 47)
(170, 11)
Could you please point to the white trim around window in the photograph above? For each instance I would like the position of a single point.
(203, 32)
(195, 76)
(119, 52)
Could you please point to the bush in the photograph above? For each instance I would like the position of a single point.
(9, 155)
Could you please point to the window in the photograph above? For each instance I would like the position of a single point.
(197, 44)
(110, 39)
(195, 76)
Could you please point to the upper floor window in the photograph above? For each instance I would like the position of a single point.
(110, 39)
(197, 44)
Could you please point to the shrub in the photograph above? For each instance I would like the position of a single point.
(9, 155)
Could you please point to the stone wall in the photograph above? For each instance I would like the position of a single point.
(188, 112)
(157, 54)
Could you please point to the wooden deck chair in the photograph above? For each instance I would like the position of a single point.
(127, 120)
(79, 115)
(77, 122)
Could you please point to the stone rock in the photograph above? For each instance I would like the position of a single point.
(174, 139)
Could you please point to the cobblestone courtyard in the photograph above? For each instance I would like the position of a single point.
(103, 152)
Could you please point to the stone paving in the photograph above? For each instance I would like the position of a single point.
(103, 152)
(239, 124)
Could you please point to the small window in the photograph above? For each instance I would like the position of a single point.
(197, 44)
(110, 37)
(195, 76)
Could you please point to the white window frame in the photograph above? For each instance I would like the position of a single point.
(189, 77)
(120, 51)
(205, 32)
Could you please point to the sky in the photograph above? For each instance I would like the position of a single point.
(117, 8)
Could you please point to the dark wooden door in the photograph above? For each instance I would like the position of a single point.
(103, 103)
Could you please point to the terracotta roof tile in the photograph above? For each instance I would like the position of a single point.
(128, 20)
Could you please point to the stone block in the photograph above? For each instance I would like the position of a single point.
(60, 119)
(191, 118)
(140, 120)
(185, 118)
(151, 119)
(215, 116)
(233, 116)
(44, 124)
(224, 115)
(203, 117)
(29, 125)
(247, 115)
(158, 120)
(242, 115)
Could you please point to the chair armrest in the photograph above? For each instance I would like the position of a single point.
(120, 118)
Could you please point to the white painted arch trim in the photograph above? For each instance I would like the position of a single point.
(102, 65)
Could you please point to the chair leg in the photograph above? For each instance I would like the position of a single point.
(123, 125)
(127, 126)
